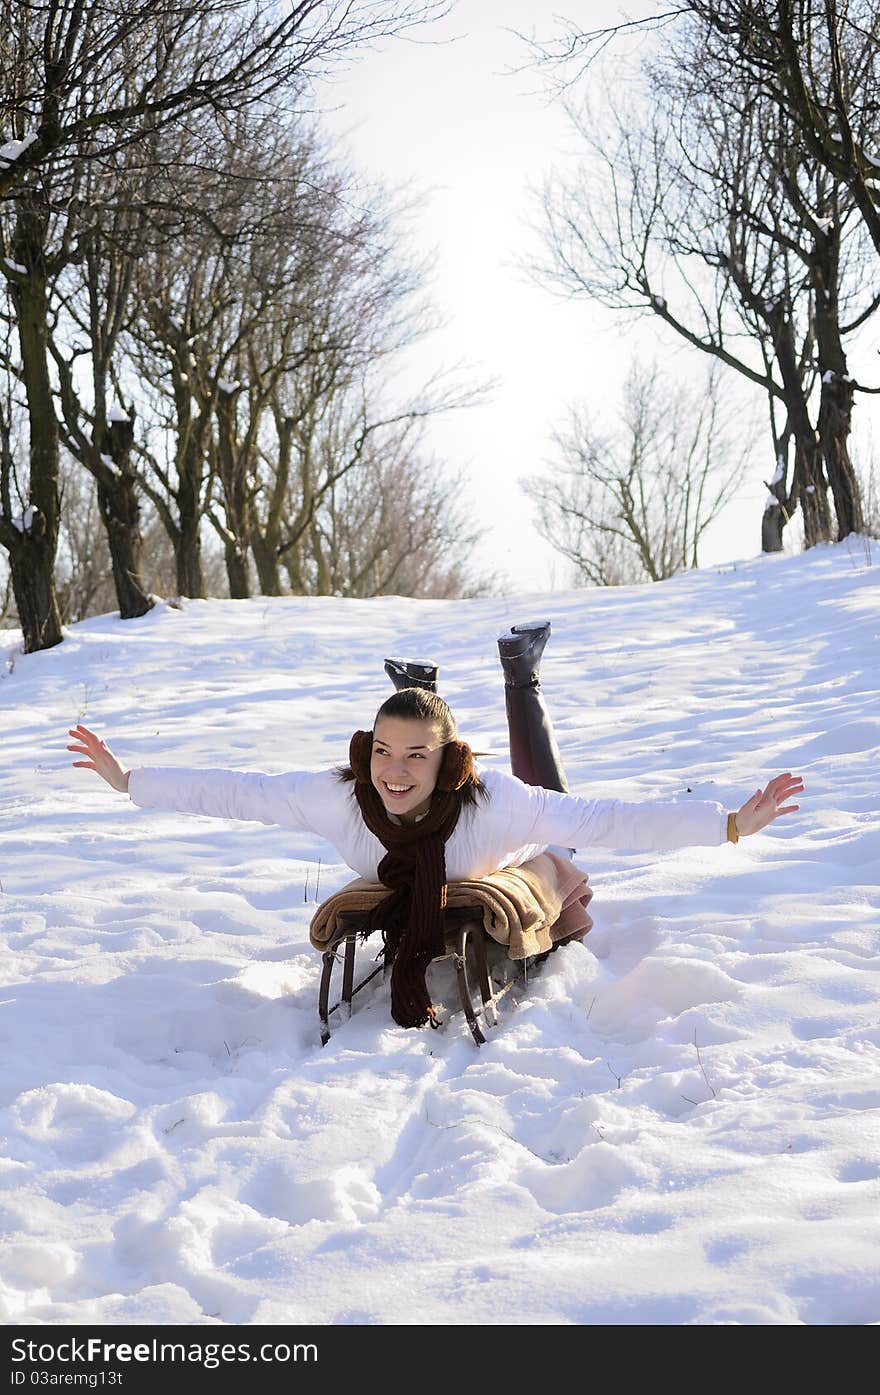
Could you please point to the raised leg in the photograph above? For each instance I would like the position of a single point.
(534, 754)
(412, 673)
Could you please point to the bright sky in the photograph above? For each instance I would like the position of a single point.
(676, 1124)
(448, 116)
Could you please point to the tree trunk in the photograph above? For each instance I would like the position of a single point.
(777, 510)
(33, 560)
(266, 560)
(809, 486)
(237, 572)
(835, 418)
(188, 542)
(265, 535)
(120, 509)
(773, 520)
(811, 489)
(233, 478)
(31, 563)
(836, 399)
(188, 556)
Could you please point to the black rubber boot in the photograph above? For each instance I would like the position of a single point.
(534, 754)
(412, 673)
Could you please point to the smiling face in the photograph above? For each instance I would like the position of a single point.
(405, 763)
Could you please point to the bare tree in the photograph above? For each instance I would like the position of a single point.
(12, 496)
(79, 83)
(395, 524)
(633, 504)
(321, 313)
(707, 214)
(93, 297)
(82, 75)
(254, 323)
(757, 206)
(628, 231)
(817, 61)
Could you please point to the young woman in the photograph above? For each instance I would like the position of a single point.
(412, 811)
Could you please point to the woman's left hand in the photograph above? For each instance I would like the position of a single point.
(767, 804)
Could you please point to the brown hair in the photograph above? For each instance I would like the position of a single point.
(420, 705)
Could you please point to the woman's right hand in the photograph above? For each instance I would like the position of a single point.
(99, 757)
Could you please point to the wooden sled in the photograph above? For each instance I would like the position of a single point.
(467, 946)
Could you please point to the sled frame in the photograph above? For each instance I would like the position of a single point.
(463, 929)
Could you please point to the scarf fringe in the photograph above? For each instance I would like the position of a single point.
(411, 919)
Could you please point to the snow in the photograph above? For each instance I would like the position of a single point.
(780, 472)
(22, 523)
(12, 149)
(677, 1122)
(227, 385)
(14, 266)
(117, 414)
(828, 376)
(110, 463)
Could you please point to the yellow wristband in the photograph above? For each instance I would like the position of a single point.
(732, 830)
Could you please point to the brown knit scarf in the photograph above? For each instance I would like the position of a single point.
(414, 868)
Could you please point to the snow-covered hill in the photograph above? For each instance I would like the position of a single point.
(678, 1123)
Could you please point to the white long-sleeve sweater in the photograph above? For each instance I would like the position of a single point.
(514, 824)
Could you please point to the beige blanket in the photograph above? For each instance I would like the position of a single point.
(528, 908)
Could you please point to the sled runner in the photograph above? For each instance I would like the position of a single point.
(496, 929)
(465, 947)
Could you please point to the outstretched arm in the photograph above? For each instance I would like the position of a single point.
(99, 757)
(311, 801)
(767, 804)
(544, 816)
